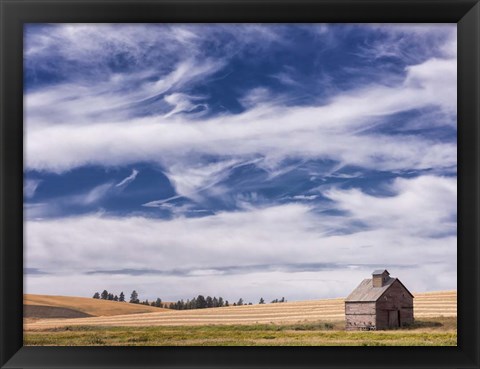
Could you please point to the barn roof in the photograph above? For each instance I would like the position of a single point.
(365, 292)
(379, 271)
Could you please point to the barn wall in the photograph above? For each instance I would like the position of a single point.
(359, 315)
(395, 298)
(407, 315)
(360, 308)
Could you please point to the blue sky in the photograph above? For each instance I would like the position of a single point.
(239, 160)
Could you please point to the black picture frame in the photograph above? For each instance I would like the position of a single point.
(15, 13)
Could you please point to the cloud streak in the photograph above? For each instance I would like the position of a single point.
(30, 187)
(129, 179)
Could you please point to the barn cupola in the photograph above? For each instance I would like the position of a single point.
(380, 277)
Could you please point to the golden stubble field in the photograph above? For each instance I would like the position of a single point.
(426, 306)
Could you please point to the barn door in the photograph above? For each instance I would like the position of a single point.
(393, 321)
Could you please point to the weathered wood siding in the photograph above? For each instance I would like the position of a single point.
(396, 298)
(359, 315)
(355, 308)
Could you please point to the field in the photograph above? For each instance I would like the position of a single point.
(318, 322)
(45, 306)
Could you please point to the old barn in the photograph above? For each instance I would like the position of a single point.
(381, 302)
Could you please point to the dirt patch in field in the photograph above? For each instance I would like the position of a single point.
(52, 312)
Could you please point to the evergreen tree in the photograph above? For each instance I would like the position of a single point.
(283, 299)
(158, 302)
(110, 297)
(209, 302)
(201, 302)
(220, 302)
(115, 298)
(240, 302)
(134, 297)
(262, 301)
(122, 297)
(104, 295)
(215, 302)
(96, 295)
(226, 303)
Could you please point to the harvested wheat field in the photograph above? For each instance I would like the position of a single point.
(45, 306)
(427, 305)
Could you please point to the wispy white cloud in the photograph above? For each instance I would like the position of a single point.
(128, 179)
(30, 187)
(409, 42)
(92, 196)
(194, 181)
(164, 203)
(257, 96)
(304, 197)
(54, 208)
(186, 72)
(183, 103)
(80, 103)
(435, 199)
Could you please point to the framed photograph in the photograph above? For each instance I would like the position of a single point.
(239, 184)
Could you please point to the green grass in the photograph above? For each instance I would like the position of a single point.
(428, 332)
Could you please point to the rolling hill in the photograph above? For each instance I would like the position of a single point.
(46, 306)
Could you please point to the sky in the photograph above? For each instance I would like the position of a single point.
(239, 160)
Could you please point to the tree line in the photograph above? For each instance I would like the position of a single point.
(105, 295)
(199, 302)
